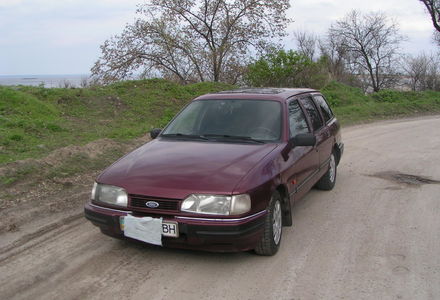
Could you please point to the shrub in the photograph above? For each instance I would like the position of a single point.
(286, 69)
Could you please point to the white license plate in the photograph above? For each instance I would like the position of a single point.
(169, 228)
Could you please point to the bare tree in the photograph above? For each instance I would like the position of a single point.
(417, 71)
(65, 84)
(209, 40)
(335, 56)
(370, 44)
(424, 72)
(307, 43)
(330, 54)
(433, 77)
(84, 82)
(433, 8)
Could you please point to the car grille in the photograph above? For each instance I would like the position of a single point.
(140, 201)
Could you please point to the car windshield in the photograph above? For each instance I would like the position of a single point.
(252, 120)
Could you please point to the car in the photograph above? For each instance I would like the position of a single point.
(224, 173)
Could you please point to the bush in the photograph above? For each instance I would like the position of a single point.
(387, 96)
(286, 69)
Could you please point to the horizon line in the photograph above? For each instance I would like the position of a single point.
(62, 74)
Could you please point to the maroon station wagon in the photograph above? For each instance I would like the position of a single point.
(223, 174)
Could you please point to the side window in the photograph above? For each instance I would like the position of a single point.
(325, 109)
(313, 112)
(297, 119)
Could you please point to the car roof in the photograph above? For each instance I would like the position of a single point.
(278, 94)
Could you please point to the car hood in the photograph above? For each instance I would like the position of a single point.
(176, 169)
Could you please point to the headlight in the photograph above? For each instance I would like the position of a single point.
(109, 194)
(217, 205)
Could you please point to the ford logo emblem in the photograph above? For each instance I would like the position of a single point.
(152, 204)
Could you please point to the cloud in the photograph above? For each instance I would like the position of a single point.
(53, 28)
(50, 36)
(9, 3)
(317, 15)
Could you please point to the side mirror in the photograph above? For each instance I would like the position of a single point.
(155, 132)
(303, 139)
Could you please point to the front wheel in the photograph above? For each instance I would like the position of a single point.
(273, 228)
(327, 182)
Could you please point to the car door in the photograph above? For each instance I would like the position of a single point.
(302, 161)
(319, 129)
(328, 118)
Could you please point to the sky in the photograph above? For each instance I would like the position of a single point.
(63, 36)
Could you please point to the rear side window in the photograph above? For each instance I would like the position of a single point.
(325, 109)
(312, 112)
(297, 119)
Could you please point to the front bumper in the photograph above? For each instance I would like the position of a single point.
(222, 235)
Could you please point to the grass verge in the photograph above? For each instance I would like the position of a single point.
(352, 106)
(35, 121)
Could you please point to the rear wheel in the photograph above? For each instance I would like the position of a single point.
(273, 227)
(327, 182)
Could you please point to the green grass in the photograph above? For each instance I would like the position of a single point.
(352, 106)
(36, 120)
(18, 174)
(25, 120)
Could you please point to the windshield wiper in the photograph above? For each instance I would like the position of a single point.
(182, 135)
(234, 137)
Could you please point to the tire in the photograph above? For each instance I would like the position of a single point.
(328, 180)
(273, 228)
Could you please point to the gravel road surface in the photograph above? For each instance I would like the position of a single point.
(375, 236)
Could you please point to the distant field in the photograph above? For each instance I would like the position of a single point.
(35, 120)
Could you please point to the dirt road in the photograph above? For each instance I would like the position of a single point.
(375, 236)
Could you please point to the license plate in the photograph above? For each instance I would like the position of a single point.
(169, 228)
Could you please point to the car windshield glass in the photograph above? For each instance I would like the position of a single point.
(235, 120)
